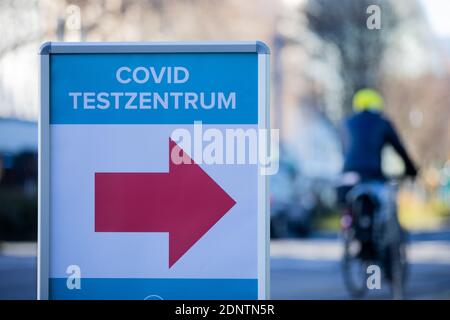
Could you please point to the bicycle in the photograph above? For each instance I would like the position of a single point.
(371, 240)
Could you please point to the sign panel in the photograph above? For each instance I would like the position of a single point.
(142, 194)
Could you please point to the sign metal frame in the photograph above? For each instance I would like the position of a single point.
(52, 48)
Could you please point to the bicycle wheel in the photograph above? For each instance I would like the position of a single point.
(354, 267)
(398, 268)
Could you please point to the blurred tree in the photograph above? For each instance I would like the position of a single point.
(421, 108)
(344, 24)
(26, 24)
(19, 23)
(402, 59)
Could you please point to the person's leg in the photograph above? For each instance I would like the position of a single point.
(386, 212)
(365, 197)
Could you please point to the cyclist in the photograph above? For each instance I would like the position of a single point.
(364, 134)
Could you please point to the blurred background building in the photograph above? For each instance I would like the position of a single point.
(322, 51)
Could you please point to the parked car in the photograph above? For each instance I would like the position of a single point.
(291, 205)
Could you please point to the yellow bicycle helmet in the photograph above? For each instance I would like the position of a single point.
(367, 99)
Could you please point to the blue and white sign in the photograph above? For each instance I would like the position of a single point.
(143, 192)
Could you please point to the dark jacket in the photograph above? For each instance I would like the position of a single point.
(364, 135)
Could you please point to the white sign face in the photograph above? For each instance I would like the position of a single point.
(144, 190)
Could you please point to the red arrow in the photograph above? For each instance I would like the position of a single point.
(186, 202)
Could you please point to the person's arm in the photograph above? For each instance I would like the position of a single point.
(395, 141)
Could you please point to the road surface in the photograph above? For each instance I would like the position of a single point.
(300, 269)
(311, 269)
